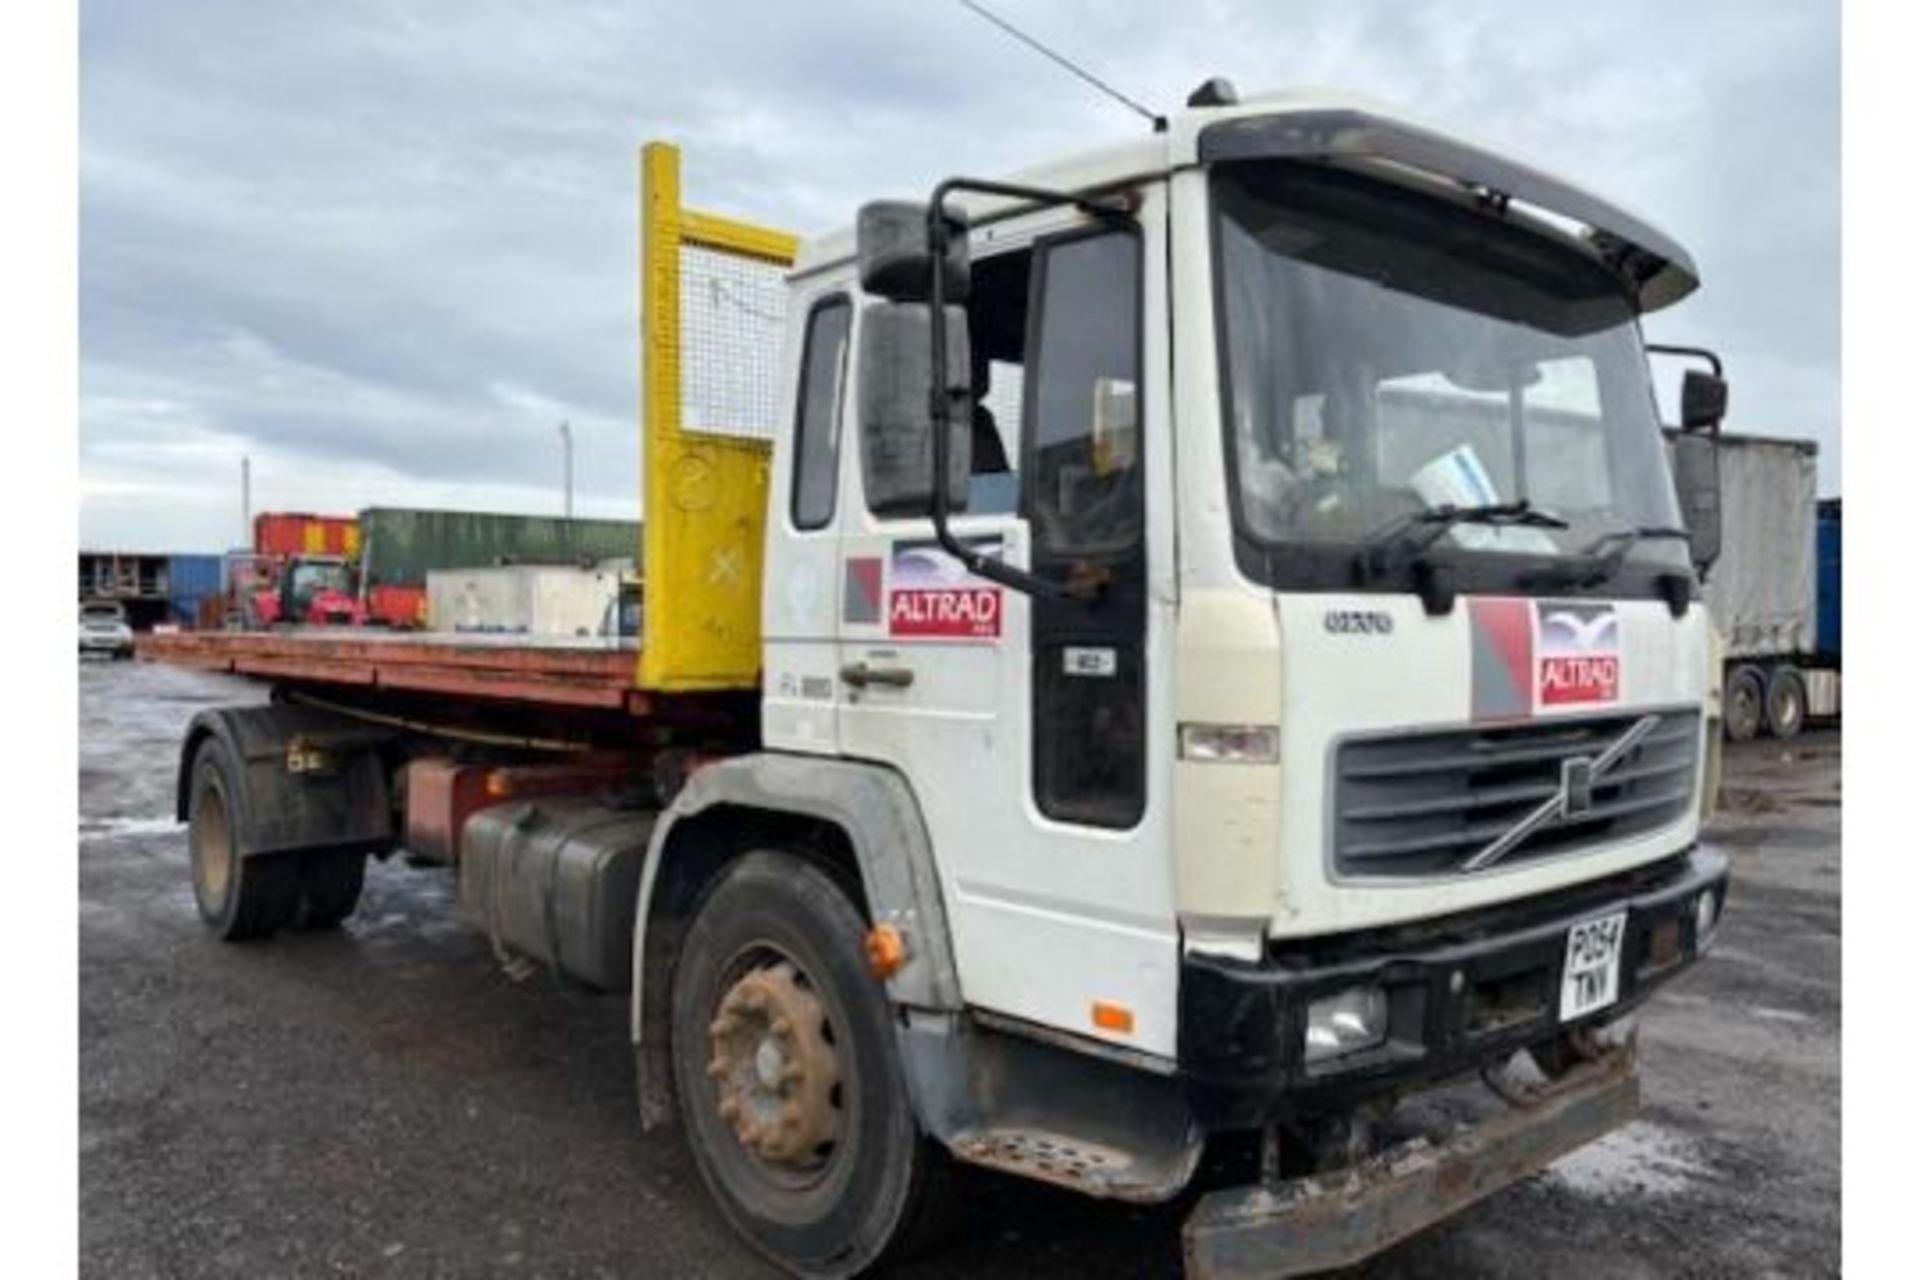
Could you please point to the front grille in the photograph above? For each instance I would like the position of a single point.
(1426, 803)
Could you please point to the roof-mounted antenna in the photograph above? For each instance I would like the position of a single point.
(1158, 121)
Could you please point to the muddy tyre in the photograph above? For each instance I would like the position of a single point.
(330, 884)
(789, 1081)
(239, 898)
(1744, 703)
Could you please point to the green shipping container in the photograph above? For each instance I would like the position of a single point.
(399, 545)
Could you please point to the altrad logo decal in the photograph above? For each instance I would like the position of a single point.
(1579, 653)
(1531, 654)
(931, 594)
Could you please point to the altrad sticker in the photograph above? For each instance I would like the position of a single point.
(929, 593)
(1579, 653)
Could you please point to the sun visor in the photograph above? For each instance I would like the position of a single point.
(1657, 270)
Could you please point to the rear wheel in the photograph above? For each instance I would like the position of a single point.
(789, 1078)
(1745, 703)
(1786, 702)
(330, 884)
(239, 898)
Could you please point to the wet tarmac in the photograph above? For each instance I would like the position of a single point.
(385, 1101)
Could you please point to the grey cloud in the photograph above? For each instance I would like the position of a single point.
(384, 245)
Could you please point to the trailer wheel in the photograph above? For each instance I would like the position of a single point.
(239, 898)
(330, 884)
(788, 1075)
(1786, 702)
(1745, 703)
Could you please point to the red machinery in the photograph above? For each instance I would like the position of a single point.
(314, 590)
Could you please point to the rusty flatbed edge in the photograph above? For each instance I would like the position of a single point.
(576, 674)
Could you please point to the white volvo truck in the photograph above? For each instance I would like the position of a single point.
(1294, 702)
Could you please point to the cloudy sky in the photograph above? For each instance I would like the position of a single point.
(385, 246)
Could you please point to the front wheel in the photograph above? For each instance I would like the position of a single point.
(789, 1078)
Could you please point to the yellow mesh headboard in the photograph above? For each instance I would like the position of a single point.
(712, 313)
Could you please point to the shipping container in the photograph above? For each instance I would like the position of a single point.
(402, 607)
(191, 579)
(300, 533)
(399, 546)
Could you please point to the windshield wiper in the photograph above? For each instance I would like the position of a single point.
(1600, 560)
(1628, 537)
(1405, 538)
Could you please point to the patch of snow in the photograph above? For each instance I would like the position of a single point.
(117, 828)
(1641, 1158)
(1778, 1015)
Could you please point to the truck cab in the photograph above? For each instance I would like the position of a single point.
(1305, 700)
(1376, 748)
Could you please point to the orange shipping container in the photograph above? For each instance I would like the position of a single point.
(300, 533)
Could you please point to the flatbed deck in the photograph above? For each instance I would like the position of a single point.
(542, 671)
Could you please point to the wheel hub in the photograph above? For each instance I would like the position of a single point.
(774, 1069)
(213, 849)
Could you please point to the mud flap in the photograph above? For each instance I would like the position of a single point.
(1338, 1219)
(304, 778)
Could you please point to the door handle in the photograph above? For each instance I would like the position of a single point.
(860, 675)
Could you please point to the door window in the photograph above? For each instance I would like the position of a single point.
(1084, 405)
(816, 433)
(1085, 502)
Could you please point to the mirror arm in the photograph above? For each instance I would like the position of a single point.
(1080, 587)
(1702, 353)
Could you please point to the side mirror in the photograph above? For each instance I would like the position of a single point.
(1703, 400)
(896, 407)
(895, 260)
(1696, 478)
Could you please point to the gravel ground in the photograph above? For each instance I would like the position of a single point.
(385, 1102)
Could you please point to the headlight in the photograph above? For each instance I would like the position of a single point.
(1338, 1025)
(1230, 743)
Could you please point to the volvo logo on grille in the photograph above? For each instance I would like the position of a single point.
(1576, 787)
(1574, 798)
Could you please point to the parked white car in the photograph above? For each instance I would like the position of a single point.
(104, 629)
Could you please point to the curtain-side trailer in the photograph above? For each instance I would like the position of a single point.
(1768, 589)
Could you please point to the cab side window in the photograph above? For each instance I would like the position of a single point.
(997, 336)
(816, 435)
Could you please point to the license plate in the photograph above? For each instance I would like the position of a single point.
(1592, 975)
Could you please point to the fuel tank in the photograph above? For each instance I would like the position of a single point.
(557, 881)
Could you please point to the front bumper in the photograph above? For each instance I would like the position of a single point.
(1462, 992)
(1337, 1219)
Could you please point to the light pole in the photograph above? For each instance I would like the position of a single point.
(566, 446)
(246, 500)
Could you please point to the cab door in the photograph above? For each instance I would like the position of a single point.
(800, 603)
(1026, 724)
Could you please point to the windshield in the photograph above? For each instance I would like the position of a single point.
(309, 579)
(1387, 353)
